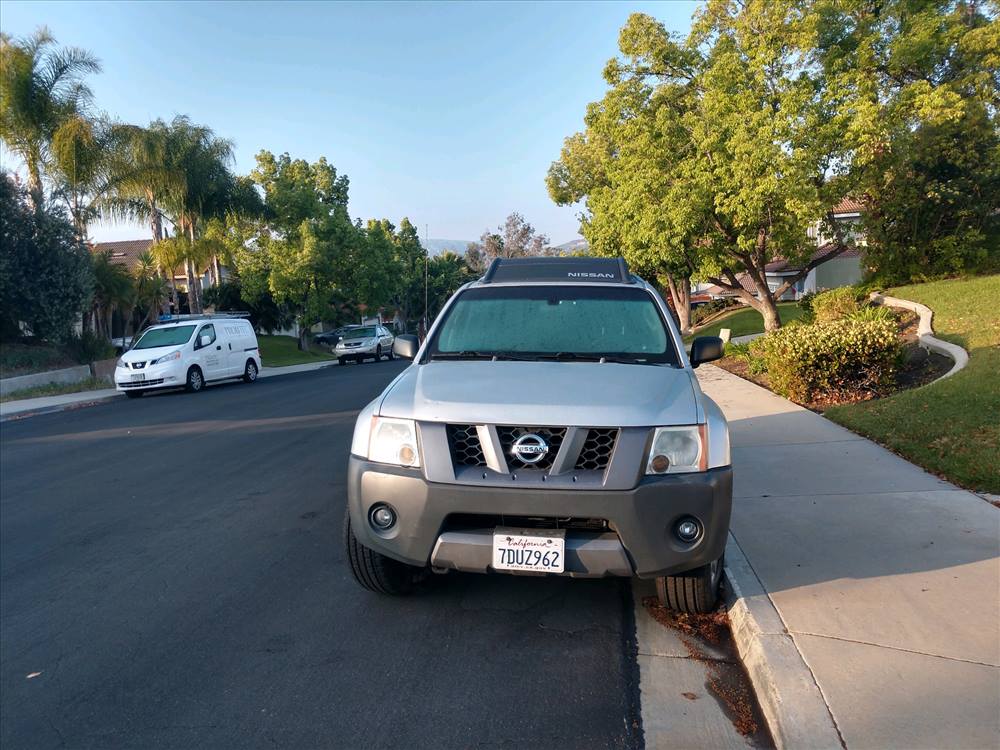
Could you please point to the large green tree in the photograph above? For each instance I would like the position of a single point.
(45, 272)
(923, 77)
(716, 153)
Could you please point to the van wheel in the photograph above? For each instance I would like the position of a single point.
(375, 571)
(250, 371)
(133, 394)
(195, 380)
(692, 592)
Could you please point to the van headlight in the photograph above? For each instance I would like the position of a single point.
(394, 441)
(166, 358)
(678, 449)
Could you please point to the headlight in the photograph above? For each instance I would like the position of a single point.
(394, 441)
(122, 364)
(678, 449)
(166, 358)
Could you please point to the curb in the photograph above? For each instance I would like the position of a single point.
(793, 705)
(925, 333)
(58, 407)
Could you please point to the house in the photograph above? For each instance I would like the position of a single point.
(842, 270)
(126, 253)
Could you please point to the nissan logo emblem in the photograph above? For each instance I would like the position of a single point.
(529, 449)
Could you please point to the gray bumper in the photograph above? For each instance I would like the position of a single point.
(642, 519)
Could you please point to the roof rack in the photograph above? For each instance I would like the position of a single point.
(600, 270)
(163, 319)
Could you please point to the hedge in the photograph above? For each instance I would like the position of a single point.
(843, 359)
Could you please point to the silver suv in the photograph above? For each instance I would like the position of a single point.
(550, 424)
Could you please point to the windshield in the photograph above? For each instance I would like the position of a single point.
(367, 332)
(566, 322)
(173, 336)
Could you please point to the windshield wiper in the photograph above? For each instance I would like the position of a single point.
(566, 356)
(471, 354)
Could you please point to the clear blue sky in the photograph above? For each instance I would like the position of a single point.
(449, 113)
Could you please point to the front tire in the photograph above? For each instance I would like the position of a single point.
(195, 380)
(250, 372)
(378, 353)
(692, 592)
(373, 570)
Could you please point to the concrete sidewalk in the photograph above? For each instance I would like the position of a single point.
(886, 577)
(46, 404)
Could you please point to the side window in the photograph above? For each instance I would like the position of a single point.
(206, 330)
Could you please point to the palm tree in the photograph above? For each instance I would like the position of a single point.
(41, 90)
(150, 287)
(168, 254)
(113, 290)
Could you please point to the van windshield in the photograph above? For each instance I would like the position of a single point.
(173, 336)
(555, 322)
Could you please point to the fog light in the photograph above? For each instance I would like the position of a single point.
(382, 517)
(688, 529)
(659, 464)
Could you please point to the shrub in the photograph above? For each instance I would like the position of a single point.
(701, 312)
(839, 360)
(89, 347)
(834, 304)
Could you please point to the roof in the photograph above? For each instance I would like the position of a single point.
(125, 253)
(580, 269)
(848, 205)
(780, 265)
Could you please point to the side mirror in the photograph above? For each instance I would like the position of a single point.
(204, 341)
(706, 349)
(405, 345)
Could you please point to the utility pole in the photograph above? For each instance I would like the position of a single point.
(426, 257)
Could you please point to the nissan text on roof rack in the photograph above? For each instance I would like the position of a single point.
(550, 424)
(188, 351)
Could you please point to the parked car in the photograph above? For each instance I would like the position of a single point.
(189, 351)
(364, 342)
(551, 423)
(331, 338)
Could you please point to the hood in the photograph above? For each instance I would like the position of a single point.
(146, 355)
(582, 394)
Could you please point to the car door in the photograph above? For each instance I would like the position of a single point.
(385, 338)
(210, 357)
(236, 341)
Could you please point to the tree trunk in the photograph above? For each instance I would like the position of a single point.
(769, 309)
(35, 190)
(194, 281)
(303, 337)
(680, 293)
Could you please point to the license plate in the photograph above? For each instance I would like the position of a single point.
(542, 550)
(138, 376)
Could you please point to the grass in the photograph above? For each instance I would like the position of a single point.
(57, 389)
(950, 427)
(747, 320)
(281, 351)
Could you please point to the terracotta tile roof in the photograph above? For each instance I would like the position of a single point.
(124, 253)
(848, 206)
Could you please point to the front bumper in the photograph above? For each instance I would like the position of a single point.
(355, 351)
(156, 376)
(640, 540)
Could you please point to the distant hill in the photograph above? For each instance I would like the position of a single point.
(573, 246)
(436, 247)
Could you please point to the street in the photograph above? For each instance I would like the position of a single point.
(172, 576)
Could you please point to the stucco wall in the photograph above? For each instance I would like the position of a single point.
(838, 272)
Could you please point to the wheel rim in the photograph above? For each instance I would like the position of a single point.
(251, 371)
(196, 380)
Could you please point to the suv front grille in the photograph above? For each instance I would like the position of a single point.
(597, 449)
(465, 521)
(553, 437)
(466, 449)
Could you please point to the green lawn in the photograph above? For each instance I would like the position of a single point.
(57, 389)
(951, 427)
(747, 320)
(280, 351)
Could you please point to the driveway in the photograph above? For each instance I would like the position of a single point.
(171, 575)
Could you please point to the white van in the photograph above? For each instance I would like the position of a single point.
(189, 351)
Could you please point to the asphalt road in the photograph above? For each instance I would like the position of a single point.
(171, 575)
